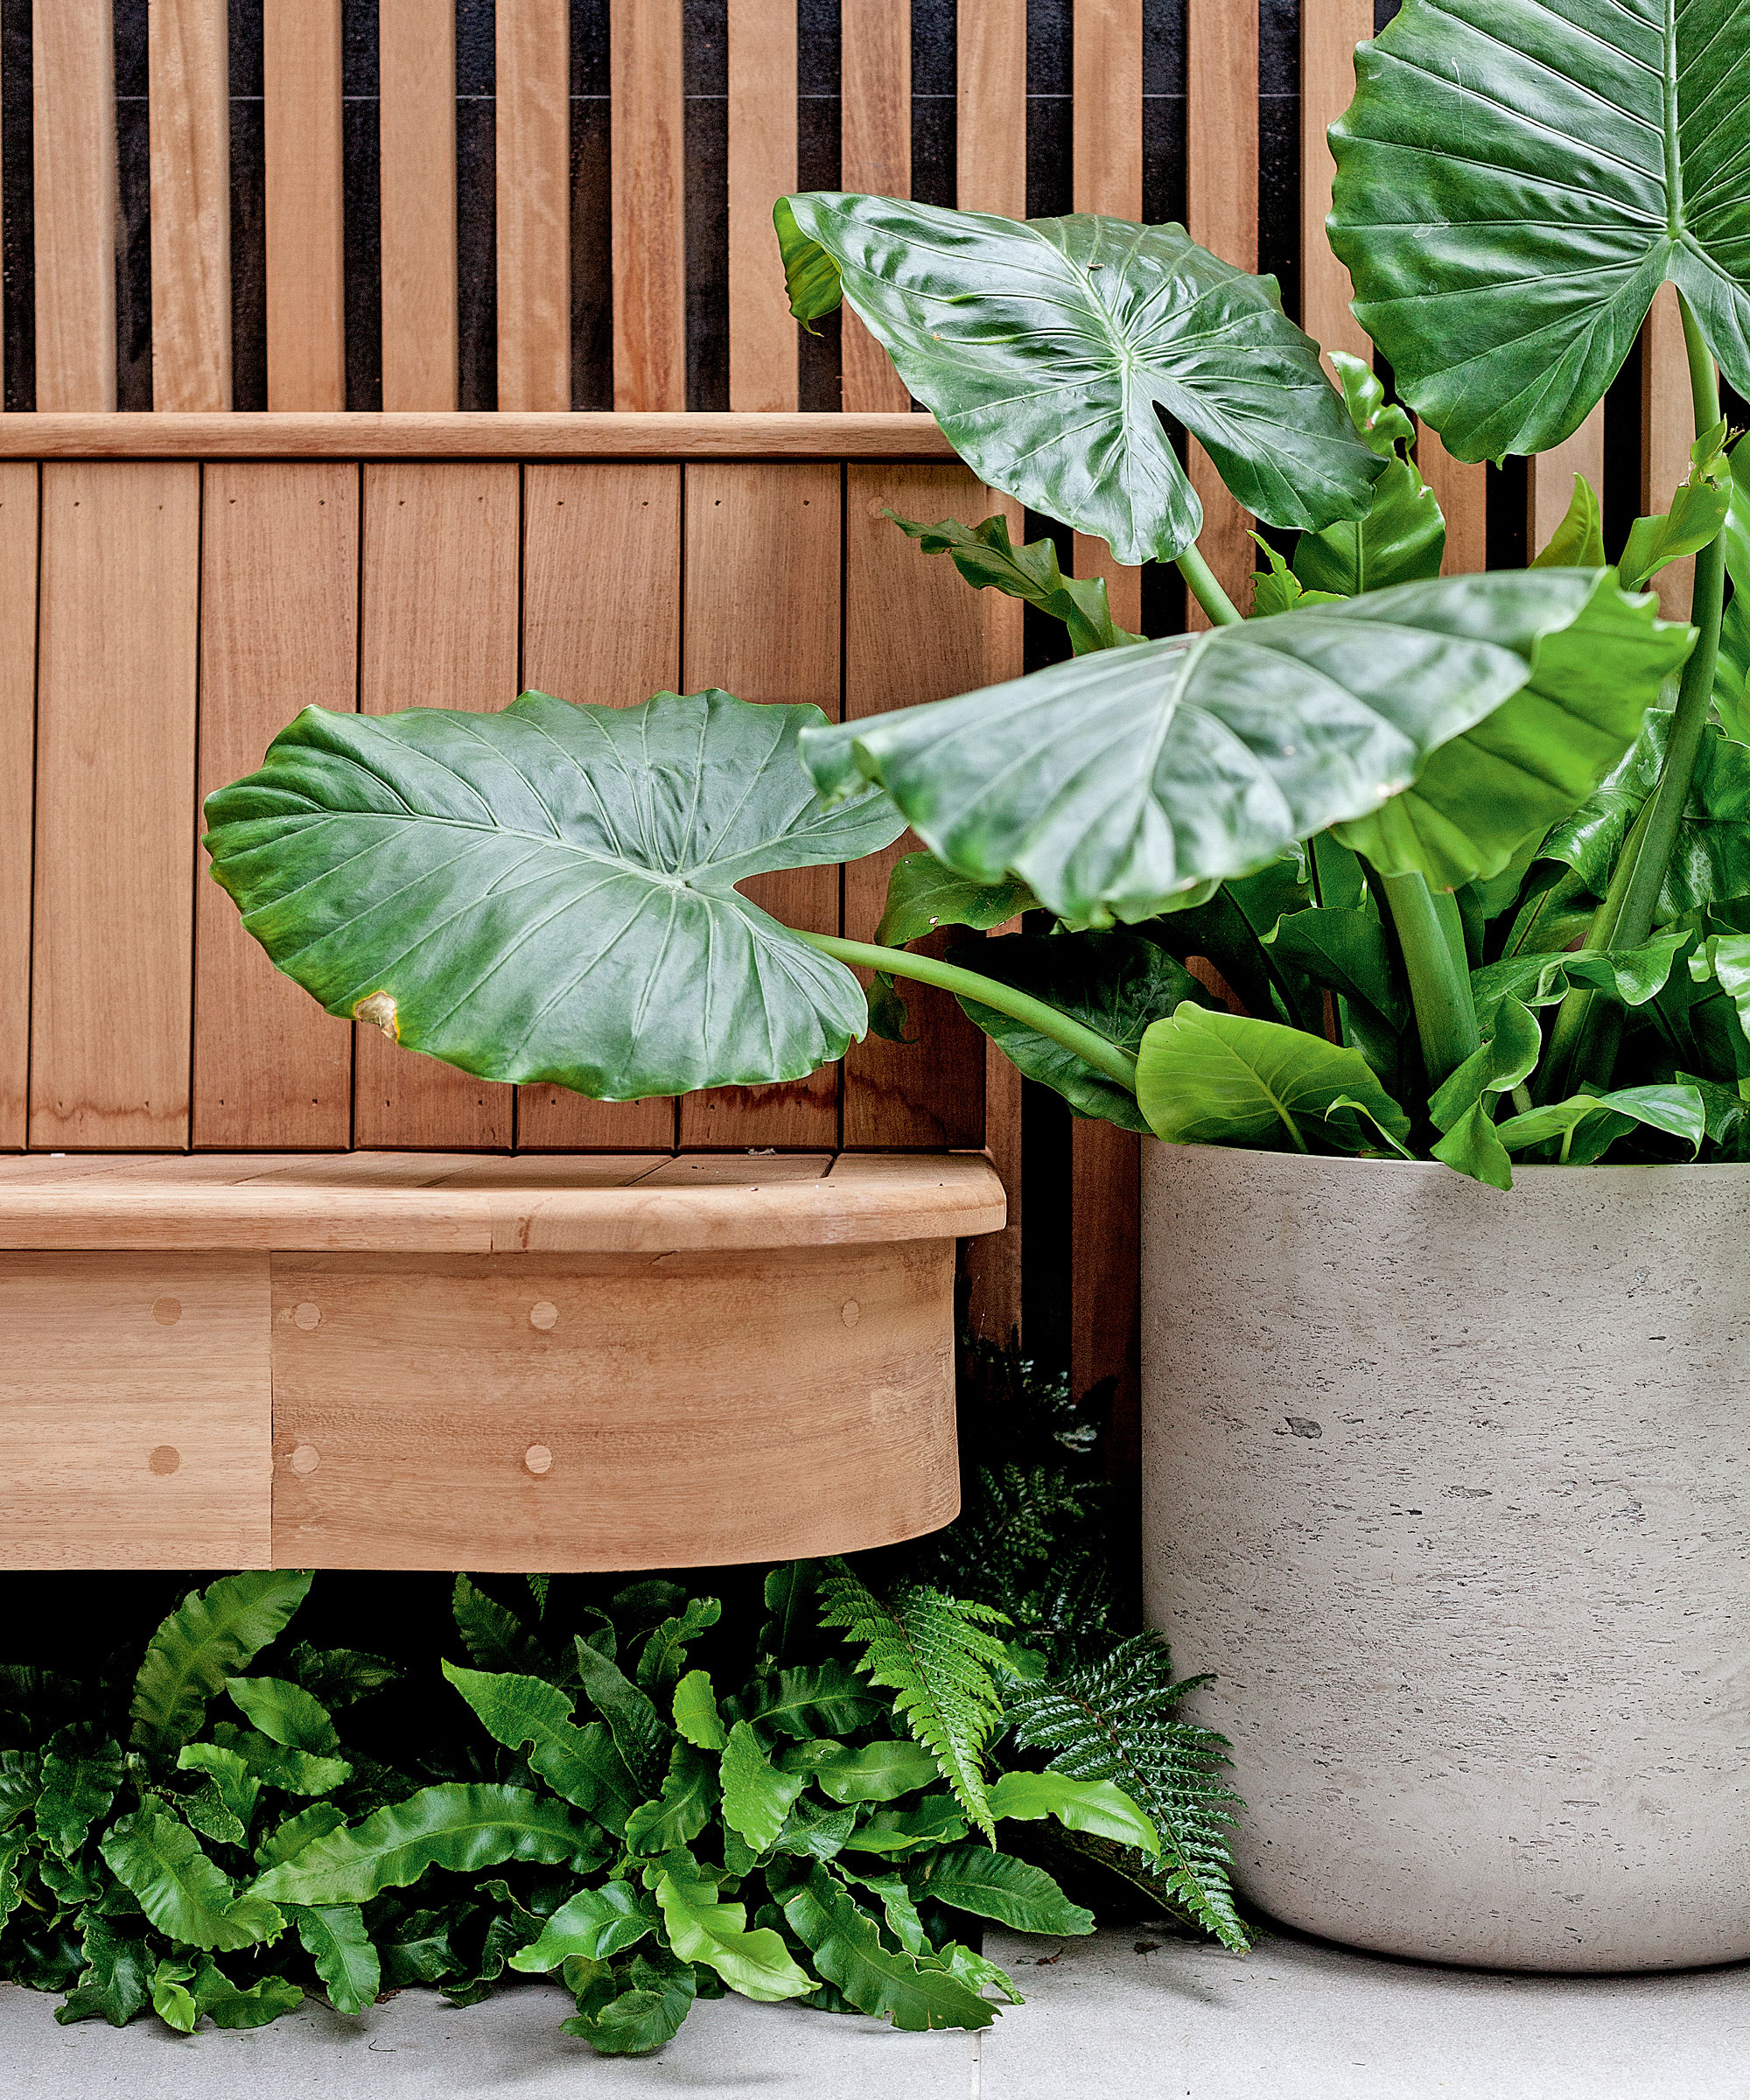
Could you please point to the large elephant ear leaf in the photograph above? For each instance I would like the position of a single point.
(1044, 347)
(549, 893)
(1117, 783)
(1515, 180)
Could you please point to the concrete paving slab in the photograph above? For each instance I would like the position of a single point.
(1298, 2020)
(510, 2047)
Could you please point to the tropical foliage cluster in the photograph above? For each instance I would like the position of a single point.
(1401, 865)
(821, 1799)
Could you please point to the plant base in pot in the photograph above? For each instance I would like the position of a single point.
(1450, 1487)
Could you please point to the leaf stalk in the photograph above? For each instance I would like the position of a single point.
(1431, 935)
(1106, 1057)
(1205, 587)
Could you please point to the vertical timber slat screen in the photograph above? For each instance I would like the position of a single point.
(566, 204)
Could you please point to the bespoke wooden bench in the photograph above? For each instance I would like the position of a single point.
(444, 1360)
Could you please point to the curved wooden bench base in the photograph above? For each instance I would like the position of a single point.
(422, 1361)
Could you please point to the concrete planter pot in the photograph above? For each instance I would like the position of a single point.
(1452, 1488)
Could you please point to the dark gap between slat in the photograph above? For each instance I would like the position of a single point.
(1050, 74)
(476, 206)
(1280, 147)
(819, 375)
(17, 206)
(592, 209)
(361, 203)
(705, 135)
(936, 147)
(249, 211)
(134, 225)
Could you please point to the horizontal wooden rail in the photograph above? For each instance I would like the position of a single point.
(470, 435)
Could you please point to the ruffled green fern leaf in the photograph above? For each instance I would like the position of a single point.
(1112, 1716)
(935, 1655)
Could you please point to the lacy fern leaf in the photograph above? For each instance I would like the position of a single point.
(934, 1654)
(1110, 1716)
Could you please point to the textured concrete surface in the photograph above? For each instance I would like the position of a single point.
(1451, 1488)
(1296, 2021)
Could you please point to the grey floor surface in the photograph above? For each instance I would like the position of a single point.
(1116, 2018)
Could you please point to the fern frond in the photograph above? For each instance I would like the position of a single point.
(935, 1655)
(1112, 1716)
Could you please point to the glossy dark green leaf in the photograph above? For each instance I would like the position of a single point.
(641, 1736)
(549, 893)
(1505, 779)
(696, 1713)
(335, 1939)
(1473, 1147)
(286, 1839)
(82, 1771)
(1206, 1078)
(1045, 349)
(339, 1675)
(664, 1654)
(1115, 784)
(21, 1782)
(207, 1639)
(814, 1699)
(237, 1786)
(205, 1812)
(636, 2007)
(580, 1763)
(417, 1948)
(984, 556)
(276, 1764)
(159, 1858)
(1115, 983)
(1678, 1111)
(897, 1833)
(1577, 542)
(462, 1828)
(1629, 976)
(1345, 950)
(228, 2004)
(1402, 536)
(877, 1771)
(1724, 959)
(115, 1983)
(1513, 182)
(493, 1635)
(887, 1982)
(682, 1808)
(757, 1795)
(595, 1924)
(1507, 1057)
(923, 898)
(1710, 858)
(1014, 1892)
(285, 1713)
(1694, 520)
(705, 1928)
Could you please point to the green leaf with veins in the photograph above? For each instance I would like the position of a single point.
(550, 894)
(1402, 536)
(1115, 983)
(641, 1736)
(1115, 784)
(984, 556)
(595, 1924)
(580, 1763)
(115, 1983)
(1589, 1123)
(1515, 182)
(208, 1637)
(335, 1939)
(1695, 519)
(757, 1796)
(703, 1927)
(996, 1885)
(696, 1713)
(1206, 1078)
(1724, 959)
(682, 1810)
(81, 1772)
(459, 1827)
(1505, 779)
(1047, 348)
(879, 1771)
(1276, 588)
(923, 898)
(1710, 858)
(813, 1699)
(1629, 976)
(887, 1982)
(285, 1713)
(1096, 1806)
(159, 1858)
(1345, 950)
(1577, 542)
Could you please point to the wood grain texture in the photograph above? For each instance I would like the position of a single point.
(648, 179)
(875, 156)
(472, 435)
(416, 190)
(306, 325)
(189, 115)
(991, 65)
(611, 644)
(134, 1417)
(914, 631)
(762, 166)
(484, 1203)
(1462, 490)
(534, 147)
(279, 632)
(73, 119)
(439, 629)
(1549, 479)
(1666, 432)
(1221, 213)
(702, 1409)
(18, 795)
(115, 817)
(1107, 177)
(1329, 33)
(762, 621)
(993, 1263)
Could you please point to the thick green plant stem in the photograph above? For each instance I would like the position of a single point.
(1091, 1048)
(1586, 1038)
(1431, 935)
(1201, 582)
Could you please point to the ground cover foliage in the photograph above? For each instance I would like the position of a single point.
(817, 1784)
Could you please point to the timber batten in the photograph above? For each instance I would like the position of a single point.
(431, 1360)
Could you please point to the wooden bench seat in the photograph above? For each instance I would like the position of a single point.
(445, 1361)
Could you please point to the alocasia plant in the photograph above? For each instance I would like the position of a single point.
(1380, 812)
